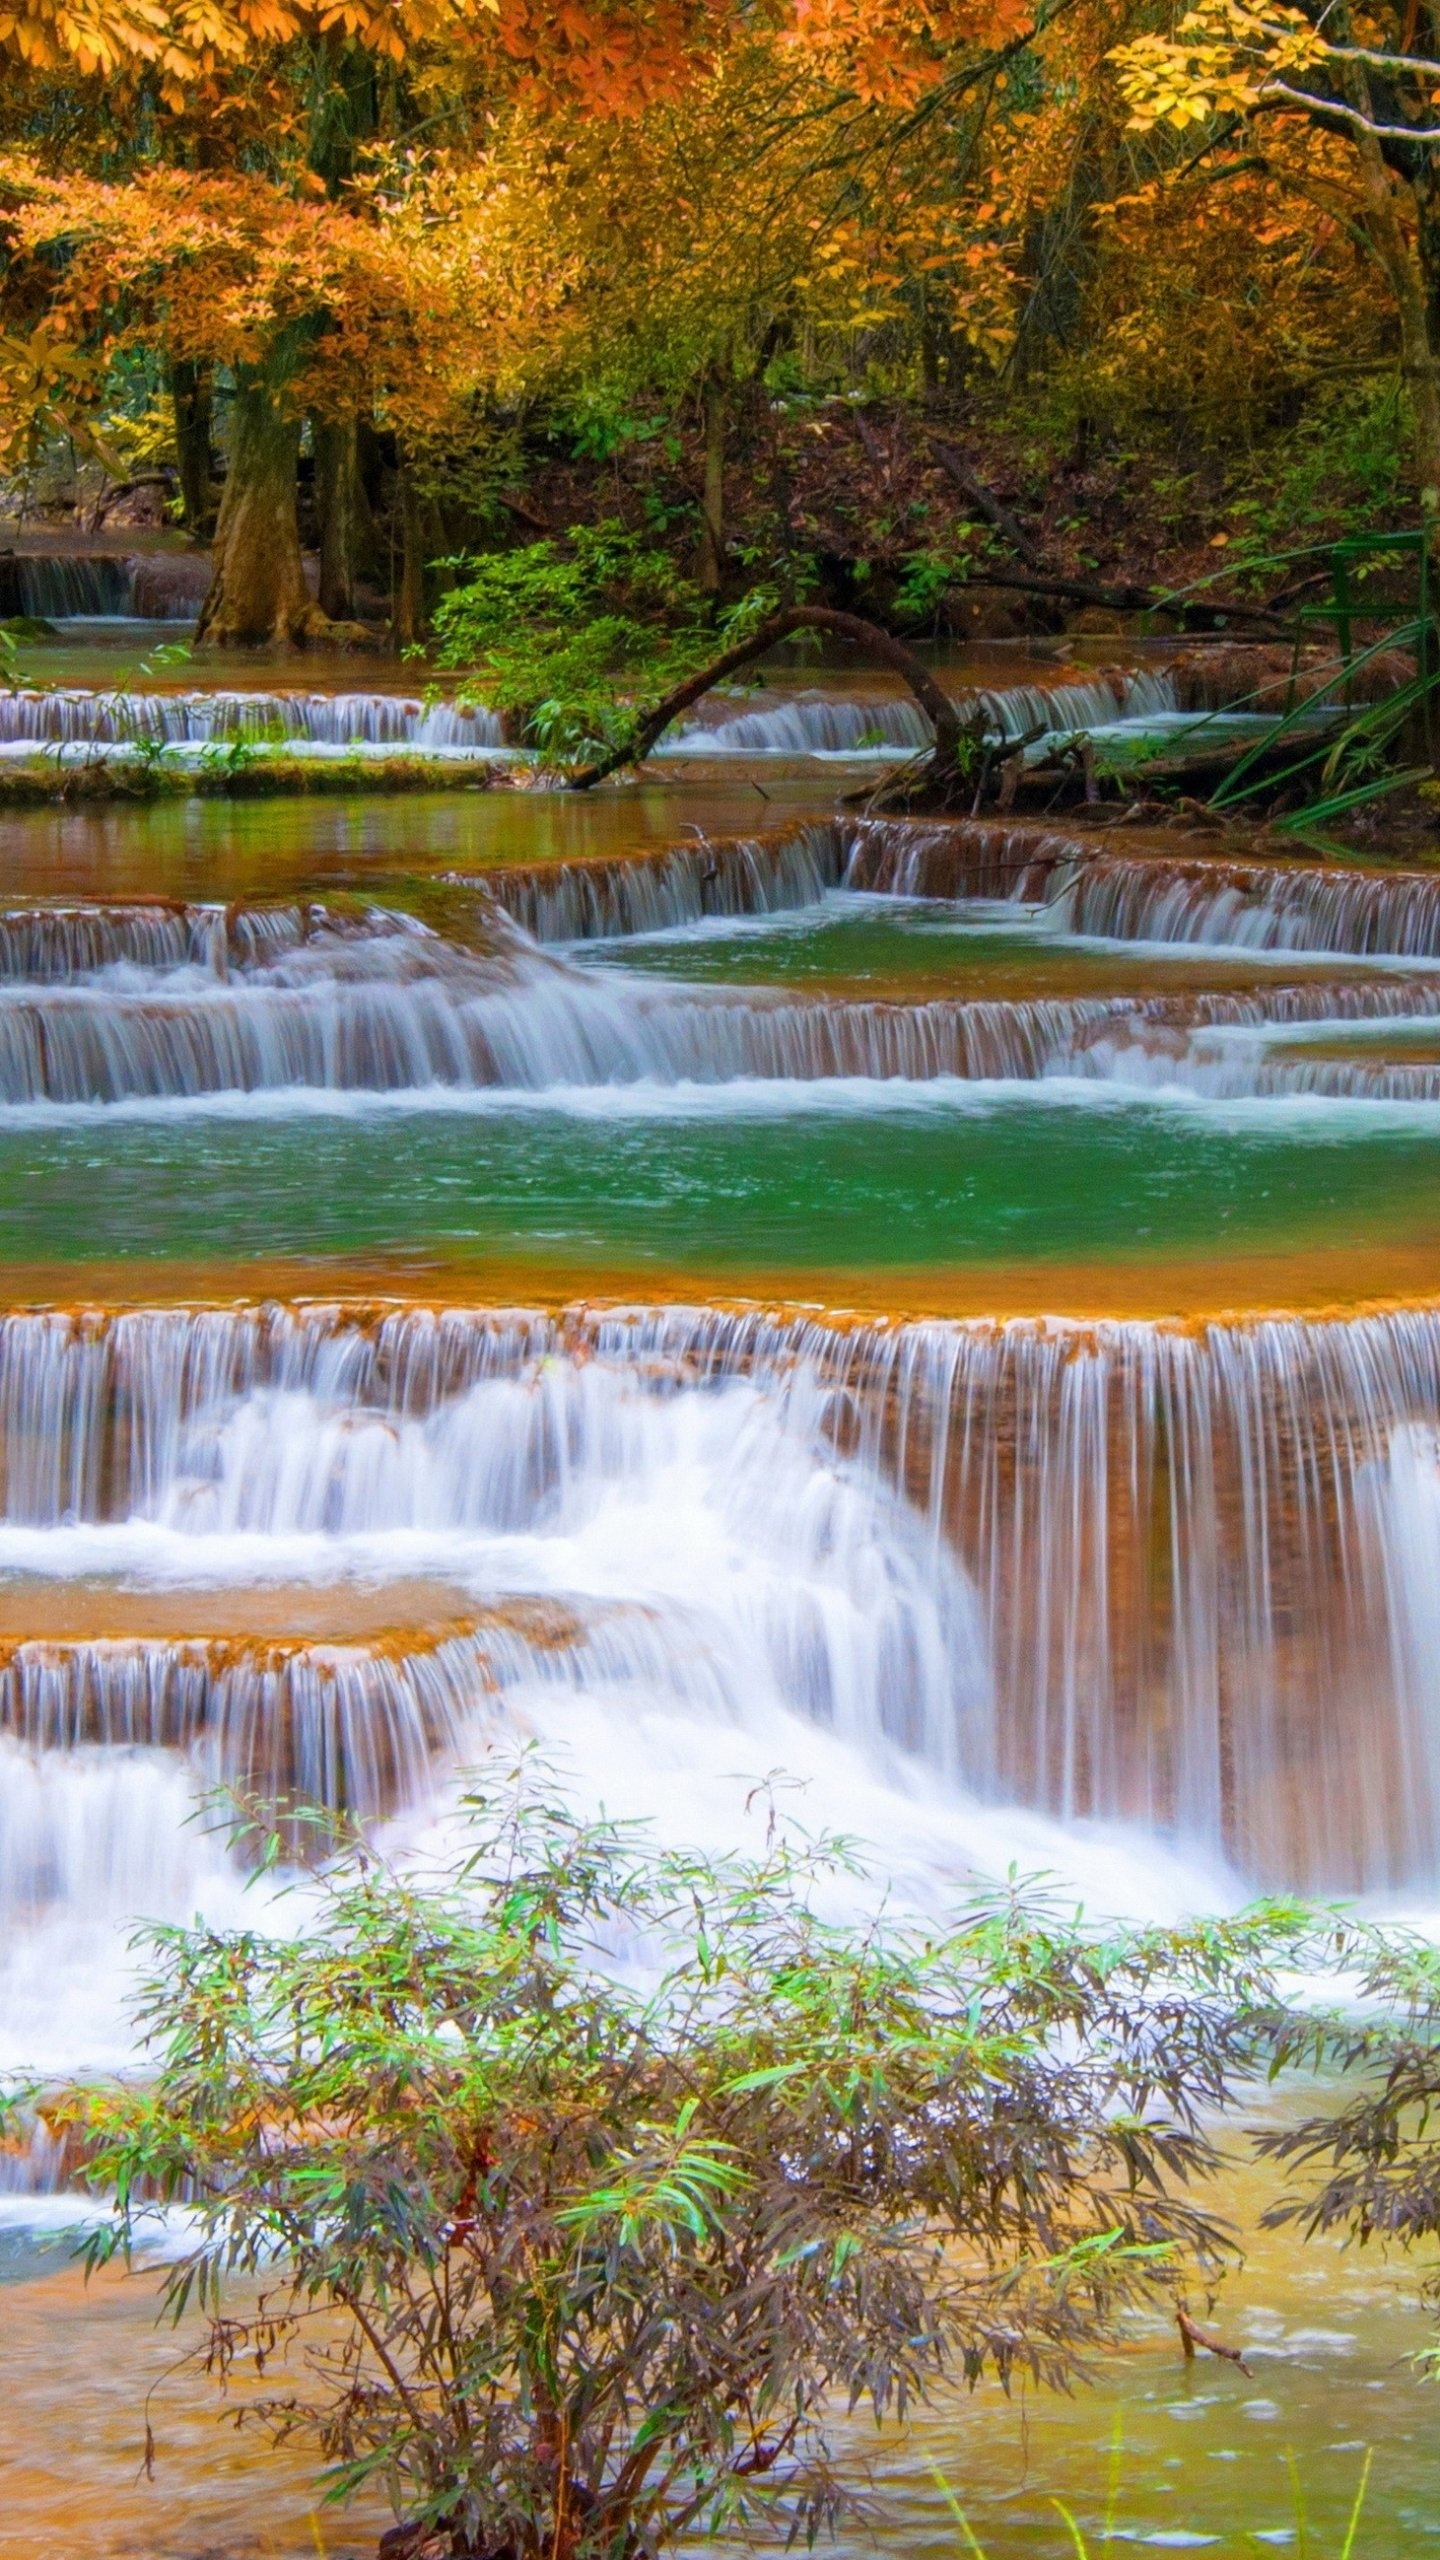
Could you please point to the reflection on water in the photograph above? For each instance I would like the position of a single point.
(77, 2366)
(1176, 2456)
(272, 848)
(1200, 2456)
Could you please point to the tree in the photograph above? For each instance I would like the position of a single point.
(1375, 2147)
(1286, 79)
(251, 119)
(594, 651)
(817, 167)
(232, 271)
(581, 2178)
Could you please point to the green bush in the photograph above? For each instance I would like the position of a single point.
(581, 2179)
(574, 642)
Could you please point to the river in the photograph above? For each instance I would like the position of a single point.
(716, 1283)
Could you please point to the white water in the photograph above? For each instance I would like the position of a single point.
(75, 720)
(1255, 907)
(824, 723)
(60, 587)
(188, 1006)
(1155, 1610)
(1013, 1573)
(1258, 909)
(76, 715)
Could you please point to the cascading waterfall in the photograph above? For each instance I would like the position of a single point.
(151, 1003)
(74, 717)
(801, 724)
(1174, 1583)
(819, 723)
(600, 899)
(1254, 906)
(67, 944)
(1116, 1572)
(606, 898)
(352, 1725)
(1199, 900)
(61, 587)
(1061, 710)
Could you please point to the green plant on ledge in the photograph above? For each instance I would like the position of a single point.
(565, 643)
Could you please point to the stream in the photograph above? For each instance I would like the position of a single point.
(715, 1282)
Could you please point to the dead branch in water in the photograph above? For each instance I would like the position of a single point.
(1193, 2336)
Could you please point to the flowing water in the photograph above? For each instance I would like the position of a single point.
(718, 1284)
(149, 707)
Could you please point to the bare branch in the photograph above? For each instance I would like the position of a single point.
(1325, 108)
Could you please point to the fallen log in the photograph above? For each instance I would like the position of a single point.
(988, 504)
(1213, 615)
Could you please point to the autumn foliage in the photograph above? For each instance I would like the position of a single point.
(419, 235)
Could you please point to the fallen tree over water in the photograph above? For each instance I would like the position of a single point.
(957, 737)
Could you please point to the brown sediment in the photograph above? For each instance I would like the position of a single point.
(1271, 676)
(272, 1621)
(1342, 1279)
(1027, 971)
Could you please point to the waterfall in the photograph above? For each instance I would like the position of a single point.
(164, 1004)
(802, 724)
(1060, 710)
(64, 945)
(1118, 1572)
(822, 723)
(909, 859)
(805, 724)
(64, 586)
(326, 720)
(331, 1724)
(607, 897)
(1152, 1054)
(1199, 900)
(598, 899)
(1254, 906)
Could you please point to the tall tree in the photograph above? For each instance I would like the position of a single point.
(1279, 81)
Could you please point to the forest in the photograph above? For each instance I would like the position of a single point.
(719, 1323)
(979, 321)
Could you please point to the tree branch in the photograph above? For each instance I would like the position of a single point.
(1393, 63)
(1325, 110)
(1129, 599)
(940, 710)
(990, 507)
(1193, 2336)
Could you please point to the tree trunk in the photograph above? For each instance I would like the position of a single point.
(190, 393)
(943, 714)
(710, 567)
(257, 587)
(1413, 275)
(337, 495)
(408, 609)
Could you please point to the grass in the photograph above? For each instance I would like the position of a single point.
(1074, 2545)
